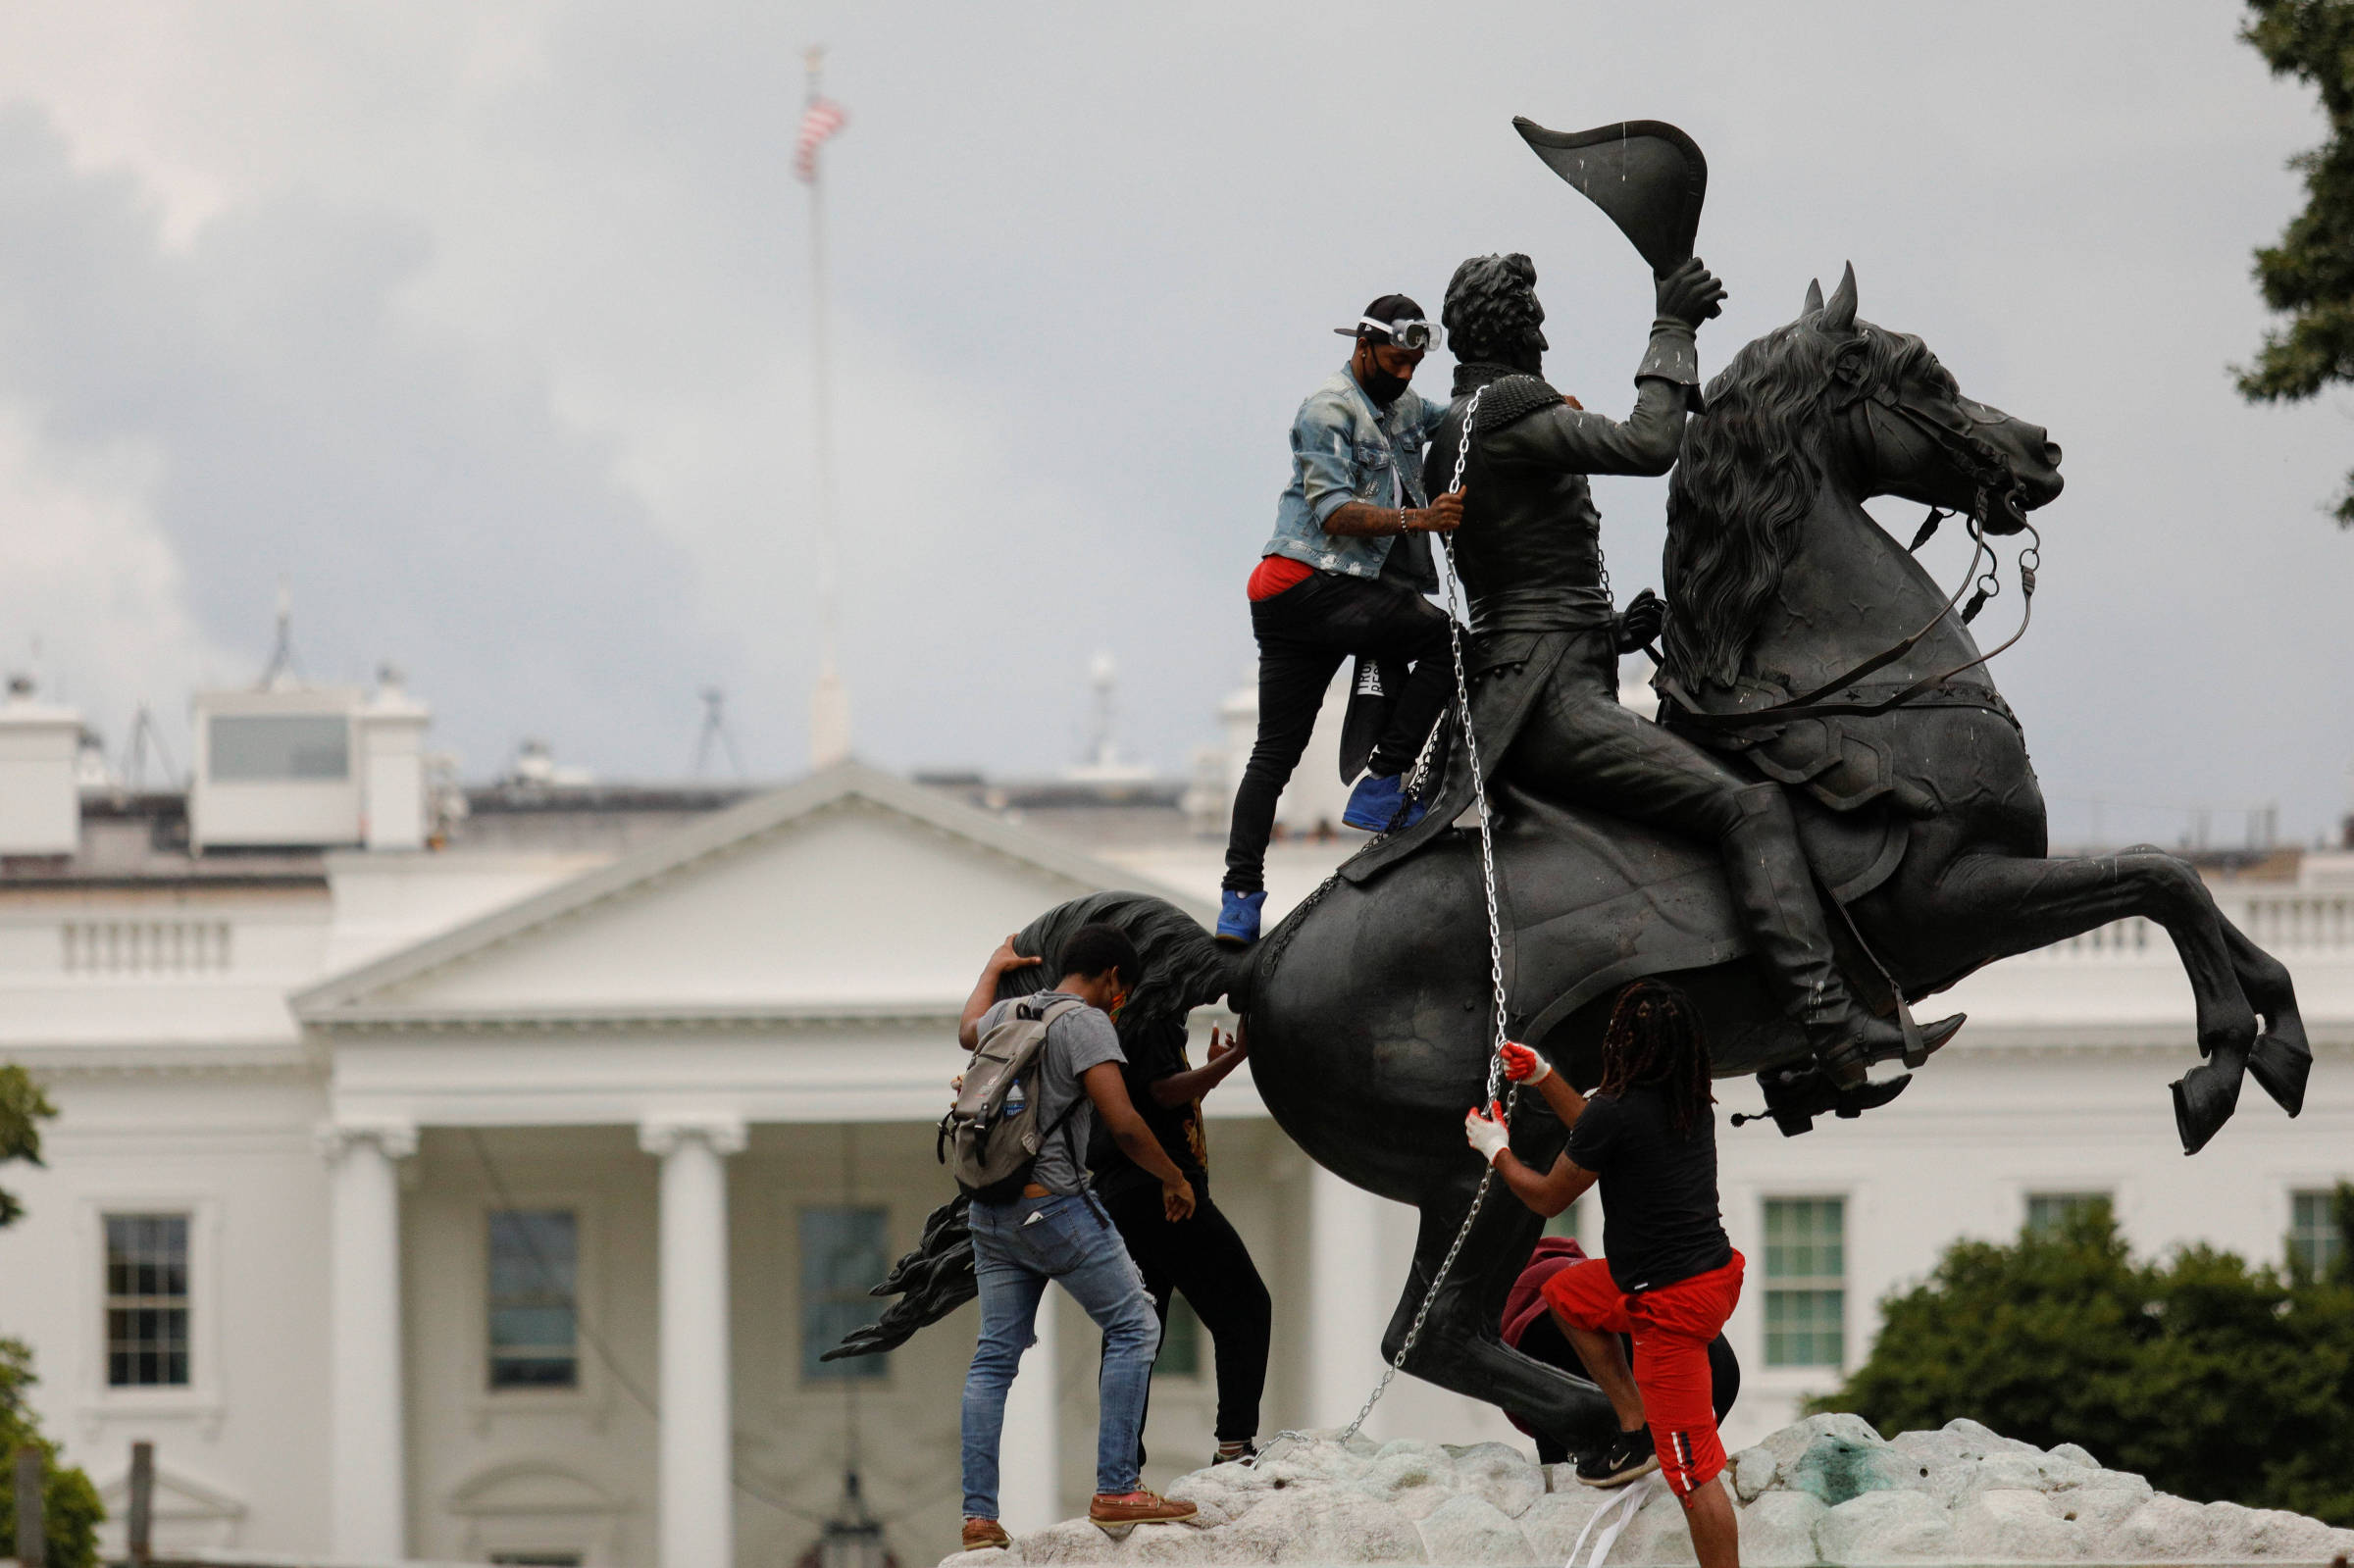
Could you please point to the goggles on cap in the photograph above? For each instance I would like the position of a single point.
(1421, 337)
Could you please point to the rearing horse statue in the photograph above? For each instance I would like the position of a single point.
(1804, 643)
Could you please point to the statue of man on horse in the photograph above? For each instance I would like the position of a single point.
(1546, 639)
(1833, 818)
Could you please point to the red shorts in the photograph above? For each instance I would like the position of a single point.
(1672, 1328)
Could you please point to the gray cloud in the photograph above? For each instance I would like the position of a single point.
(513, 304)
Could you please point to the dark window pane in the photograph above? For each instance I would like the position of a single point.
(1180, 1343)
(844, 1252)
(533, 1316)
(148, 1300)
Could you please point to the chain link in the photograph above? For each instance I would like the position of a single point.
(1496, 1000)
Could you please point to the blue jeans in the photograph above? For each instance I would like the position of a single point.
(1017, 1247)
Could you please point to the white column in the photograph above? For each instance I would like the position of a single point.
(1029, 1453)
(1349, 1297)
(695, 1517)
(367, 1469)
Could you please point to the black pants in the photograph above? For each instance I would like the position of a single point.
(1303, 633)
(1203, 1259)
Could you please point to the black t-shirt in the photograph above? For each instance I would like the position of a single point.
(1155, 1051)
(1660, 1221)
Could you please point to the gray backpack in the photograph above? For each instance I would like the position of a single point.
(991, 1137)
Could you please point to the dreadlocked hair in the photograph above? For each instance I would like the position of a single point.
(1654, 1039)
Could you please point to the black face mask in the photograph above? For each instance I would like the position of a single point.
(1380, 385)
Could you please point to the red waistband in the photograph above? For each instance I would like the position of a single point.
(1276, 573)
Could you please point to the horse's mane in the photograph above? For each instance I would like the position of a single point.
(1748, 476)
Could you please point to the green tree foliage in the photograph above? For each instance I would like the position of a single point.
(70, 1506)
(2309, 275)
(2217, 1382)
(22, 1108)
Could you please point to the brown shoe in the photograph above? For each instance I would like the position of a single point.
(1117, 1513)
(981, 1533)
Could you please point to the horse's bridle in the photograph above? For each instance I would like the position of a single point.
(1996, 485)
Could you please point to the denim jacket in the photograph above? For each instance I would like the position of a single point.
(1344, 449)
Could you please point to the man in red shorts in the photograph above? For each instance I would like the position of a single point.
(1670, 1277)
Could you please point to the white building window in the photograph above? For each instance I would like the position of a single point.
(534, 1283)
(2049, 1213)
(251, 748)
(148, 1300)
(844, 1255)
(1806, 1282)
(2316, 1243)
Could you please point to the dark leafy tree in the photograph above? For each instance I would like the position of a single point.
(69, 1507)
(2309, 275)
(2216, 1381)
(22, 1109)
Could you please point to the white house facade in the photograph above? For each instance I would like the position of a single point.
(484, 1188)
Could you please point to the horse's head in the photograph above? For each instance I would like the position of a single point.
(1826, 398)
(1908, 430)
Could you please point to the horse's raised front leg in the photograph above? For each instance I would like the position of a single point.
(1991, 906)
(2281, 1058)
(1461, 1347)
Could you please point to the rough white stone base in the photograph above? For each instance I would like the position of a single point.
(1828, 1490)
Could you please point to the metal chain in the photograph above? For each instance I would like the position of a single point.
(1487, 873)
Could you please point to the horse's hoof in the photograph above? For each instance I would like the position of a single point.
(2206, 1096)
(2282, 1067)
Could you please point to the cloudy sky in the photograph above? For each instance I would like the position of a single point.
(485, 328)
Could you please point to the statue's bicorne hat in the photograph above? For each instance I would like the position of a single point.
(1647, 176)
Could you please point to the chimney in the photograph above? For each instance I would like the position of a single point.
(40, 797)
(394, 803)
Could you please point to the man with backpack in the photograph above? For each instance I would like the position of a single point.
(1055, 1056)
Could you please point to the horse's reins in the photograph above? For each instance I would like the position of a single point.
(1986, 468)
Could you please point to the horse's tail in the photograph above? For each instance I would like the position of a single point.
(1185, 968)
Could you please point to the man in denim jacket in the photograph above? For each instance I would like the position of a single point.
(1337, 579)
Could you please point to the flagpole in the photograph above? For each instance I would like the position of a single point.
(829, 703)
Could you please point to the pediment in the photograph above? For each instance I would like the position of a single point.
(850, 893)
(176, 1497)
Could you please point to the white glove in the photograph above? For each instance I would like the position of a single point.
(1490, 1137)
(1524, 1066)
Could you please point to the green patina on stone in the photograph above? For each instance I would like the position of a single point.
(1835, 1470)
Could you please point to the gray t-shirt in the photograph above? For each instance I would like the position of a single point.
(1075, 1042)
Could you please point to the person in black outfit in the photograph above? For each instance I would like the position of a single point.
(1199, 1257)
(1346, 573)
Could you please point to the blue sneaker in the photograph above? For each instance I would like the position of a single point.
(1237, 917)
(1378, 804)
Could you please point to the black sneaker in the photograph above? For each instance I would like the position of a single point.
(1239, 1453)
(1615, 1463)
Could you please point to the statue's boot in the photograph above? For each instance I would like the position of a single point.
(1775, 892)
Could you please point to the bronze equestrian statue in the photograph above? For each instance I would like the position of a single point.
(1806, 649)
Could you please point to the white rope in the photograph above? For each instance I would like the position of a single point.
(1628, 1503)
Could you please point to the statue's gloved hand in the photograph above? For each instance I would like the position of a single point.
(1486, 1133)
(1691, 293)
(1644, 615)
(1522, 1064)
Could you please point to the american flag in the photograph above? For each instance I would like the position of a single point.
(825, 117)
